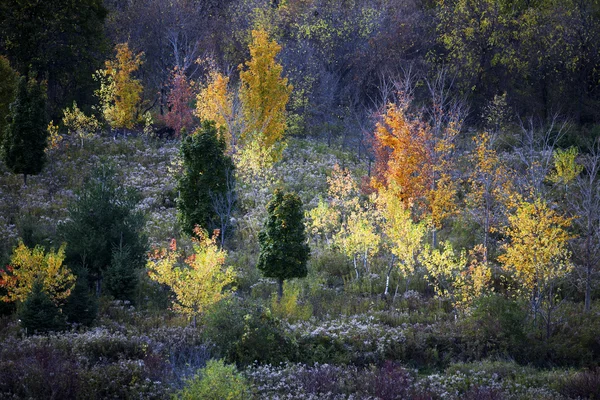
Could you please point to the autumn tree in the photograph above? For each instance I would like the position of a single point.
(197, 283)
(179, 103)
(405, 236)
(26, 136)
(264, 94)
(78, 124)
(120, 92)
(283, 249)
(215, 102)
(28, 266)
(489, 187)
(207, 171)
(417, 162)
(536, 253)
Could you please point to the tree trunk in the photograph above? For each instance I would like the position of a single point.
(25, 179)
(588, 288)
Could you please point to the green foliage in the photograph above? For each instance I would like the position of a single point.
(283, 249)
(81, 306)
(216, 381)
(26, 136)
(39, 313)
(121, 278)
(103, 217)
(206, 170)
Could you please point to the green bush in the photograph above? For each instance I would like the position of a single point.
(39, 313)
(216, 381)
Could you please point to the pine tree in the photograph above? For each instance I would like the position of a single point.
(120, 279)
(39, 313)
(81, 306)
(206, 170)
(9, 80)
(26, 135)
(283, 248)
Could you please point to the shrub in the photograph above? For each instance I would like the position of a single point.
(216, 381)
(582, 385)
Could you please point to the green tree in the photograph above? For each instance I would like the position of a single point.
(206, 173)
(102, 218)
(39, 313)
(9, 80)
(81, 306)
(26, 136)
(120, 278)
(283, 248)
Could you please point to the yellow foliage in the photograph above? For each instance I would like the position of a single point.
(54, 138)
(323, 220)
(28, 265)
(215, 103)
(405, 235)
(443, 268)
(79, 124)
(201, 282)
(566, 168)
(288, 307)
(264, 93)
(537, 251)
(120, 93)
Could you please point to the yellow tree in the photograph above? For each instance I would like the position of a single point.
(30, 265)
(489, 188)
(200, 282)
(537, 253)
(120, 93)
(215, 103)
(264, 94)
(405, 236)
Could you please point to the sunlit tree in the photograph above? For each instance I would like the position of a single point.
(30, 265)
(199, 281)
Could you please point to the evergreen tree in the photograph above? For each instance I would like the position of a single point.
(39, 313)
(103, 217)
(26, 136)
(120, 279)
(206, 169)
(81, 306)
(283, 248)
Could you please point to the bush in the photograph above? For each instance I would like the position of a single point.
(216, 381)
(582, 385)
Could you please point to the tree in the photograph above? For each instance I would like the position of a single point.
(405, 236)
(9, 81)
(78, 124)
(120, 93)
(180, 114)
(283, 248)
(28, 266)
(215, 103)
(120, 278)
(201, 282)
(537, 252)
(81, 306)
(103, 217)
(26, 136)
(264, 94)
(39, 313)
(207, 171)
